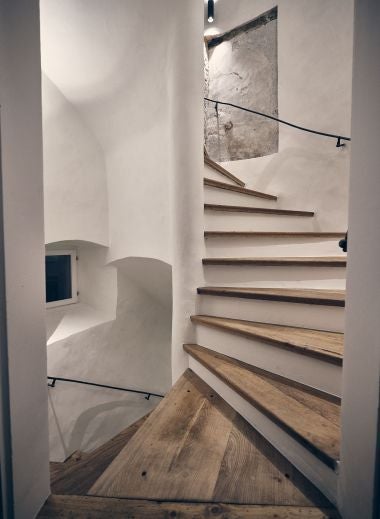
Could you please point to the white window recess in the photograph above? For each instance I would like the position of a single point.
(61, 278)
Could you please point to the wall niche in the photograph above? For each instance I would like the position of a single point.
(241, 68)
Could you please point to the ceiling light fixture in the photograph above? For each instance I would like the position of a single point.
(210, 11)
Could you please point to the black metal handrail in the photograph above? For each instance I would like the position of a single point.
(60, 379)
(339, 138)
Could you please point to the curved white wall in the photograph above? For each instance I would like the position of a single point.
(75, 184)
(114, 61)
(132, 350)
(142, 98)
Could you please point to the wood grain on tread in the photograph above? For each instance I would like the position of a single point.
(80, 471)
(270, 234)
(311, 418)
(300, 261)
(244, 191)
(256, 210)
(309, 296)
(195, 447)
(222, 171)
(86, 507)
(326, 346)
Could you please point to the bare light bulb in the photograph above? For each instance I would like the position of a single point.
(210, 19)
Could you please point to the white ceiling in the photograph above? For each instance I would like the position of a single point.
(84, 42)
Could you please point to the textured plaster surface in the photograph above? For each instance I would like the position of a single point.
(132, 350)
(149, 128)
(242, 69)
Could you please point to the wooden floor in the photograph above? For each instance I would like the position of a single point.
(80, 507)
(311, 417)
(195, 447)
(77, 474)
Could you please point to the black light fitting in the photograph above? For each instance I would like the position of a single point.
(210, 10)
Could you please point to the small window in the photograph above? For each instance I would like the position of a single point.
(61, 278)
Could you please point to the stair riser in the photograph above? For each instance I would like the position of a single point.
(287, 277)
(301, 368)
(237, 221)
(268, 247)
(314, 469)
(318, 317)
(214, 175)
(215, 195)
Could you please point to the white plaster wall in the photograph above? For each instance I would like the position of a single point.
(97, 287)
(133, 350)
(314, 89)
(97, 280)
(119, 83)
(21, 164)
(75, 184)
(142, 98)
(187, 175)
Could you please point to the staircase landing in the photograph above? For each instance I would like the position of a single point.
(195, 447)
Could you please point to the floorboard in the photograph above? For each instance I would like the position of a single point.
(195, 447)
(81, 507)
(81, 470)
(311, 417)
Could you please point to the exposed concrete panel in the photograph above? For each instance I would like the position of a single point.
(242, 69)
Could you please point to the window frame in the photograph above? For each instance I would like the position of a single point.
(74, 277)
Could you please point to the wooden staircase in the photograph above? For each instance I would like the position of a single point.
(251, 429)
(270, 327)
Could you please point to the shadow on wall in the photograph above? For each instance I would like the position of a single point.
(133, 350)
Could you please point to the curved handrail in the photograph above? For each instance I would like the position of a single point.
(309, 130)
(60, 379)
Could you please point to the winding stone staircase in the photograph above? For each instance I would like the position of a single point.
(251, 429)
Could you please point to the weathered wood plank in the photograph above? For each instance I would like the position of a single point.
(238, 189)
(168, 459)
(256, 210)
(186, 451)
(310, 427)
(272, 234)
(253, 471)
(326, 346)
(81, 470)
(311, 296)
(301, 261)
(84, 507)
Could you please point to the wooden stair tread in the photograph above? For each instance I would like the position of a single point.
(306, 261)
(81, 470)
(300, 295)
(270, 234)
(310, 417)
(217, 167)
(238, 189)
(256, 210)
(195, 447)
(327, 346)
(84, 507)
